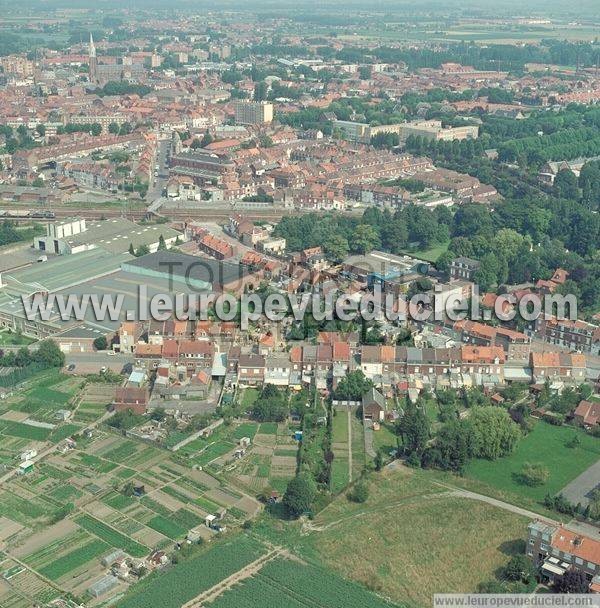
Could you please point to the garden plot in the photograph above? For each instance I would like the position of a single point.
(8, 529)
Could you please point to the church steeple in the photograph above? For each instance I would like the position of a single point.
(92, 47)
(93, 61)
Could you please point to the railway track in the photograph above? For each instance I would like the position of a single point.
(203, 214)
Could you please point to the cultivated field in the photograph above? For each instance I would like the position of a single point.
(283, 583)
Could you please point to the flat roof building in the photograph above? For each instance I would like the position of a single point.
(253, 112)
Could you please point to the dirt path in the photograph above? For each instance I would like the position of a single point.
(310, 526)
(250, 570)
(494, 502)
(450, 491)
(349, 447)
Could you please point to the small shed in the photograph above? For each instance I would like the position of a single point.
(26, 467)
(210, 520)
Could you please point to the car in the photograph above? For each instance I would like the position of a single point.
(71, 367)
(103, 369)
(111, 353)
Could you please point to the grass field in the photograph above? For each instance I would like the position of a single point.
(385, 439)
(358, 445)
(340, 474)
(268, 428)
(546, 444)
(249, 396)
(429, 255)
(420, 539)
(13, 339)
(246, 429)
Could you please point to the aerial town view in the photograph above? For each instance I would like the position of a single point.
(299, 303)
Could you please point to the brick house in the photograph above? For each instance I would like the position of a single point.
(131, 398)
(556, 550)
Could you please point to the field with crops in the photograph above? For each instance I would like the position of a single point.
(284, 583)
(169, 528)
(74, 559)
(111, 536)
(187, 580)
(25, 431)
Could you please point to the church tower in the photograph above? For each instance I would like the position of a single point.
(93, 62)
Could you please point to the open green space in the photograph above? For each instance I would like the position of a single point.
(8, 338)
(429, 255)
(546, 444)
(420, 538)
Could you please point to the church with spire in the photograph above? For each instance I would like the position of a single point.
(122, 68)
(93, 62)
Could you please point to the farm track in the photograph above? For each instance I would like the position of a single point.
(309, 526)
(250, 570)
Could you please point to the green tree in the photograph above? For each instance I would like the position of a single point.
(572, 581)
(566, 185)
(534, 474)
(364, 71)
(519, 568)
(260, 91)
(494, 433)
(487, 275)
(101, 343)
(48, 353)
(413, 427)
(299, 495)
(271, 406)
(337, 247)
(353, 386)
(206, 140)
(359, 492)
(365, 238)
(454, 444)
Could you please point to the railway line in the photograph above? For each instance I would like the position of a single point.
(200, 213)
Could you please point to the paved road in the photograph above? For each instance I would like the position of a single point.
(90, 363)
(498, 503)
(579, 490)
(159, 183)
